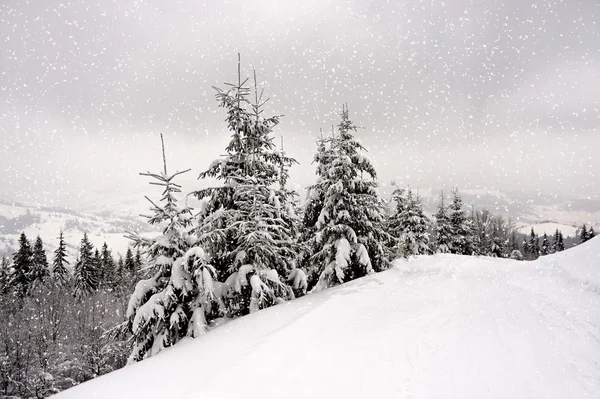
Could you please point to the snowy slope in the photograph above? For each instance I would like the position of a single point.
(443, 326)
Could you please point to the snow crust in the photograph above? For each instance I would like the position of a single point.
(442, 326)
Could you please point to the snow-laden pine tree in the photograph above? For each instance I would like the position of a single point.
(59, 270)
(443, 228)
(349, 240)
(409, 225)
(247, 224)
(39, 263)
(85, 273)
(20, 277)
(175, 301)
(462, 240)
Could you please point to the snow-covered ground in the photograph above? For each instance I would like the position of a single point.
(442, 326)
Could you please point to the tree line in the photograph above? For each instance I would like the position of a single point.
(53, 315)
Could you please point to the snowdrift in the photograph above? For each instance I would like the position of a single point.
(441, 326)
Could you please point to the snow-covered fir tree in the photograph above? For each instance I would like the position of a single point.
(20, 277)
(179, 294)
(85, 273)
(312, 207)
(443, 228)
(247, 224)
(462, 240)
(59, 271)
(349, 240)
(409, 225)
(39, 263)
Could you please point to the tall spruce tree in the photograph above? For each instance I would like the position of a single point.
(443, 228)
(583, 235)
(22, 259)
(349, 229)
(39, 263)
(560, 246)
(591, 233)
(107, 268)
(59, 270)
(86, 272)
(129, 262)
(247, 225)
(533, 246)
(462, 240)
(179, 296)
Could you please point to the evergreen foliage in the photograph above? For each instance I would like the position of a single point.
(349, 229)
(443, 233)
(248, 225)
(176, 299)
(86, 272)
(22, 260)
(409, 225)
(462, 241)
(39, 263)
(59, 270)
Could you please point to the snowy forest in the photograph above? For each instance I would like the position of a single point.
(252, 243)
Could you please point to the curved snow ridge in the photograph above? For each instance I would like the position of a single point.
(438, 326)
(579, 265)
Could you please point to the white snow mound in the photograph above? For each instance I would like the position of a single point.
(439, 326)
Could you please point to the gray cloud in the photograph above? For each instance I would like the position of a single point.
(493, 94)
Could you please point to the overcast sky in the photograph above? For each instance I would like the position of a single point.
(480, 94)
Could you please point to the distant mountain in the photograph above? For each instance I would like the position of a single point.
(47, 222)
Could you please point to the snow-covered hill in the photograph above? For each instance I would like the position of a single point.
(441, 326)
(47, 222)
(549, 228)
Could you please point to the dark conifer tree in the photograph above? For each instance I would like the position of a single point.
(583, 235)
(130, 262)
(560, 246)
(545, 249)
(107, 267)
(533, 245)
(4, 275)
(22, 259)
(59, 270)
(86, 269)
(39, 263)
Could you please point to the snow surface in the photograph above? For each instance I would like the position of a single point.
(442, 326)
